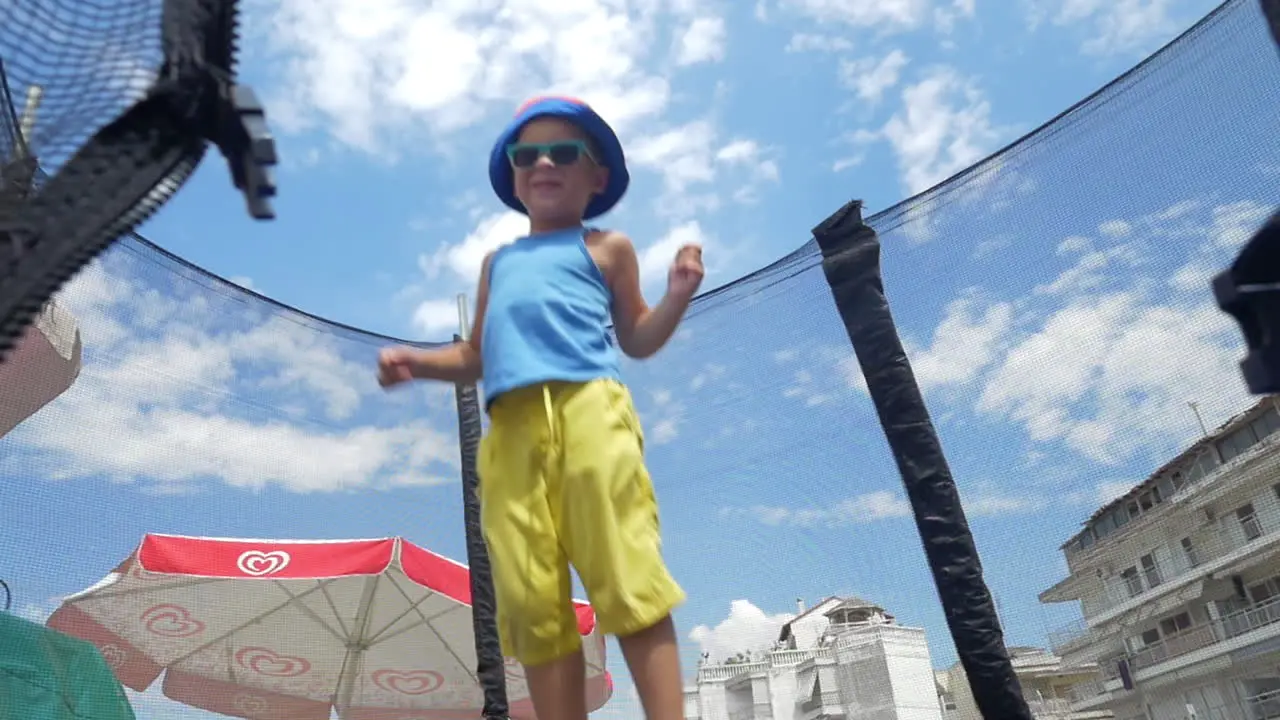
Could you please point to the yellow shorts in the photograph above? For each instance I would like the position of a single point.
(562, 480)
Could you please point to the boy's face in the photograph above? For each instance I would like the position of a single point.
(551, 189)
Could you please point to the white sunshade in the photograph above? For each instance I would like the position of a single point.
(43, 365)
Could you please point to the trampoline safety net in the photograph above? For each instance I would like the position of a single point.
(1054, 313)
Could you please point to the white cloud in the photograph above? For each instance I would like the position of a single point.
(809, 42)
(703, 40)
(662, 416)
(1107, 370)
(943, 127)
(182, 386)
(1101, 358)
(869, 507)
(746, 629)
(245, 282)
(436, 318)
(686, 158)
(409, 73)
(656, 259)
(870, 77)
(945, 17)
(984, 500)
(884, 15)
(466, 258)
(966, 342)
(1111, 26)
(369, 73)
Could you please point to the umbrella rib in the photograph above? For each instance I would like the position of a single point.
(306, 610)
(414, 607)
(243, 625)
(333, 606)
(355, 647)
(106, 594)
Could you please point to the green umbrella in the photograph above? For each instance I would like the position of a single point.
(46, 675)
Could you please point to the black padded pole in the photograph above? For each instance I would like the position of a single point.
(851, 260)
(1271, 9)
(490, 670)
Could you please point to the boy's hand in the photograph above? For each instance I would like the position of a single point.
(686, 272)
(395, 366)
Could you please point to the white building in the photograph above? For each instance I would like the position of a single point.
(1179, 584)
(43, 365)
(843, 659)
(1046, 682)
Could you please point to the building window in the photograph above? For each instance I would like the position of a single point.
(1266, 423)
(1204, 465)
(1189, 552)
(1147, 639)
(1249, 523)
(1176, 624)
(1151, 570)
(1120, 517)
(1265, 591)
(1132, 582)
(1236, 443)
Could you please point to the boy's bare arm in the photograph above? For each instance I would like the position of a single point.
(642, 331)
(459, 362)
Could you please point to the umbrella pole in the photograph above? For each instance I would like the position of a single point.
(490, 665)
(357, 645)
(35, 94)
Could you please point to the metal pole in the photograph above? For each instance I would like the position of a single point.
(464, 327)
(1195, 408)
(491, 671)
(27, 122)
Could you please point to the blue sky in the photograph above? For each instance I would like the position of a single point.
(1055, 305)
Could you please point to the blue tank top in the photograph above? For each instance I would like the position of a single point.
(548, 315)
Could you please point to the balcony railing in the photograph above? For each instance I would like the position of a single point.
(1264, 706)
(1049, 708)
(1202, 636)
(1174, 646)
(1088, 690)
(1221, 546)
(1068, 636)
(777, 658)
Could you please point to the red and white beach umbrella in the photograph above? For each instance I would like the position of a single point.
(294, 630)
(44, 363)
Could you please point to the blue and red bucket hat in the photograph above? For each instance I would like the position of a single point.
(502, 177)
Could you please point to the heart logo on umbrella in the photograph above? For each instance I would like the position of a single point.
(267, 662)
(411, 682)
(171, 621)
(250, 704)
(114, 656)
(258, 563)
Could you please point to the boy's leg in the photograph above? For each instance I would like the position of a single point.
(609, 527)
(536, 622)
(559, 688)
(653, 657)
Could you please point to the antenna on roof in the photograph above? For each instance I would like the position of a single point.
(1195, 409)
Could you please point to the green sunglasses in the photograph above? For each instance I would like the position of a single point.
(563, 152)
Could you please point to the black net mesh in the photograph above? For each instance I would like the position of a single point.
(105, 109)
(1055, 305)
(89, 62)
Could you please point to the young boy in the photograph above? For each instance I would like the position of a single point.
(562, 474)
